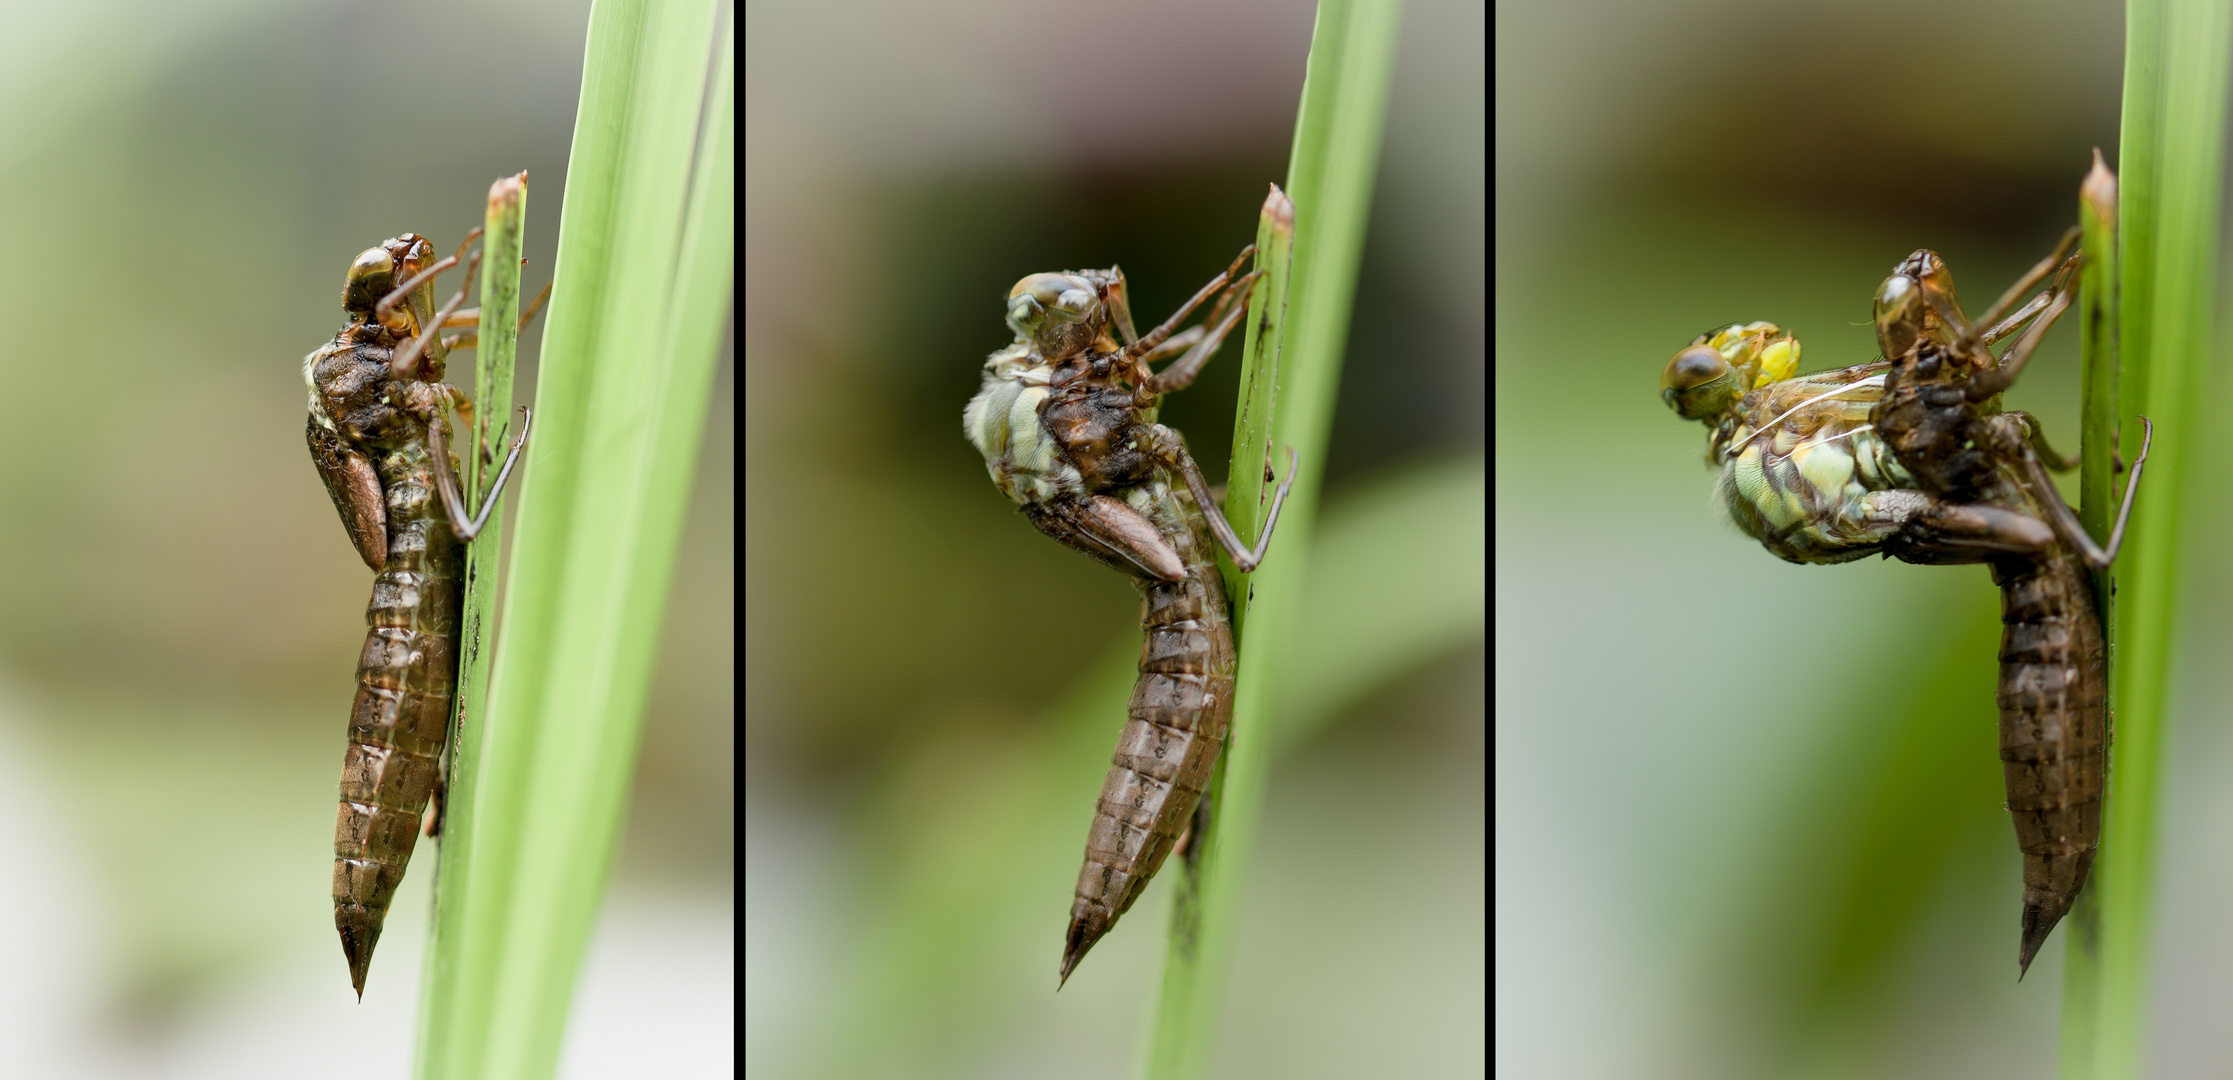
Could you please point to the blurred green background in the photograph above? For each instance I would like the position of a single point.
(1749, 817)
(182, 187)
(929, 681)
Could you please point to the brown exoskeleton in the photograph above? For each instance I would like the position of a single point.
(1913, 457)
(1941, 416)
(379, 433)
(1066, 420)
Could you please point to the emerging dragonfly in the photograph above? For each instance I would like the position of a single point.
(1913, 457)
(1066, 421)
(379, 433)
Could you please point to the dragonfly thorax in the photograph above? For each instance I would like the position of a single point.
(1002, 421)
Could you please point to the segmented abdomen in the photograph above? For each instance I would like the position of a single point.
(2054, 734)
(400, 718)
(1181, 711)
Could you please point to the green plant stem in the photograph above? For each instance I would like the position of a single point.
(635, 324)
(2098, 316)
(2172, 165)
(1336, 152)
(494, 356)
(1244, 508)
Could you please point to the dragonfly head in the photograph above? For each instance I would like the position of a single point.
(1904, 312)
(375, 273)
(1063, 313)
(1709, 378)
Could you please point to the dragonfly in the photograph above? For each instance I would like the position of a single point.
(1066, 420)
(1913, 457)
(379, 436)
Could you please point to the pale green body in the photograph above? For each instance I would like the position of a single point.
(1002, 421)
(1817, 485)
(1803, 470)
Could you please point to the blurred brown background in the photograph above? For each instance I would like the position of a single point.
(182, 187)
(908, 635)
(1749, 817)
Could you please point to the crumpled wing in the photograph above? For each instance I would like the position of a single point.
(356, 492)
(1112, 532)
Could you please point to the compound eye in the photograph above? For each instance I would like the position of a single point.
(1694, 367)
(1896, 296)
(1041, 299)
(1699, 384)
(371, 275)
(1076, 303)
(372, 262)
(1900, 315)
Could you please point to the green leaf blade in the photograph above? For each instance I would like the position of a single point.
(2172, 165)
(637, 316)
(1337, 149)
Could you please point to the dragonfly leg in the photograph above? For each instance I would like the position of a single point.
(445, 481)
(396, 295)
(1237, 289)
(471, 339)
(2032, 279)
(1992, 381)
(2066, 523)
(1928, 531)
(2038, 303)
(2015, 321)
(472, 317)
(2037, 436)
(1181, 374)
(406, 360)
(1155, 337)
(1244, 560)
(1177, 344)
(535, 306)
(462, 403)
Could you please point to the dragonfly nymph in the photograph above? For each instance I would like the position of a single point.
(1066, 420)
(379, 435)
(1912, 457)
